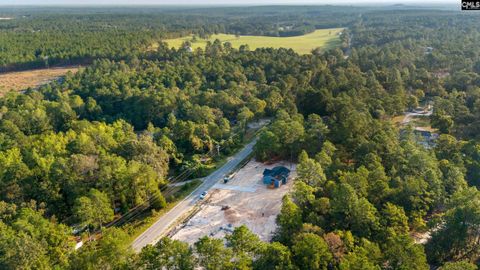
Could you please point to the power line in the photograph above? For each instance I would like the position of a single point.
(141, 207)
(137, 210)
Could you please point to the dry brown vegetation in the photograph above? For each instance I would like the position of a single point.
(22, 80)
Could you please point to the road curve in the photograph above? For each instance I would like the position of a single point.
(159, 228)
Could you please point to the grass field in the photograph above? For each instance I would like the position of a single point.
(22, 80)
(323, 38)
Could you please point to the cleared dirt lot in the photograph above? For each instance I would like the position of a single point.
(244, 199)
(22, 80)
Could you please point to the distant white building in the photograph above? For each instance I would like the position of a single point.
(428, 50)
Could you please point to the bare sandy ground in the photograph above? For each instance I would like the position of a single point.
(244, 199)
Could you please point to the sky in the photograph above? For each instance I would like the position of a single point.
(218, 2)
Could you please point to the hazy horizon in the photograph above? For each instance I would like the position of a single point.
(215, 2)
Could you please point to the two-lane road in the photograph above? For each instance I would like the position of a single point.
(160, 227)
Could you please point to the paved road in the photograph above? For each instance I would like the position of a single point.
(159, 228)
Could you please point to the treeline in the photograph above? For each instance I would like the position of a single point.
(61, 36)
(104, 140)
(54, 159)
(441, 46)
(49, 40)
(340, 174)
(66, 141)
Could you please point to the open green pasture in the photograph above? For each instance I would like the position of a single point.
(323, 38)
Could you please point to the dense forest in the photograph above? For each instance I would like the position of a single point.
(40, 37)
(106, 139)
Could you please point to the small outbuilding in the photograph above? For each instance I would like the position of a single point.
(276, 176)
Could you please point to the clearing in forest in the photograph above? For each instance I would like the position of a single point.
(21, 80)
(244, 200)
(321, 38)
(418, 118)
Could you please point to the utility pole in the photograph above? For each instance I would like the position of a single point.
(218, 149)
